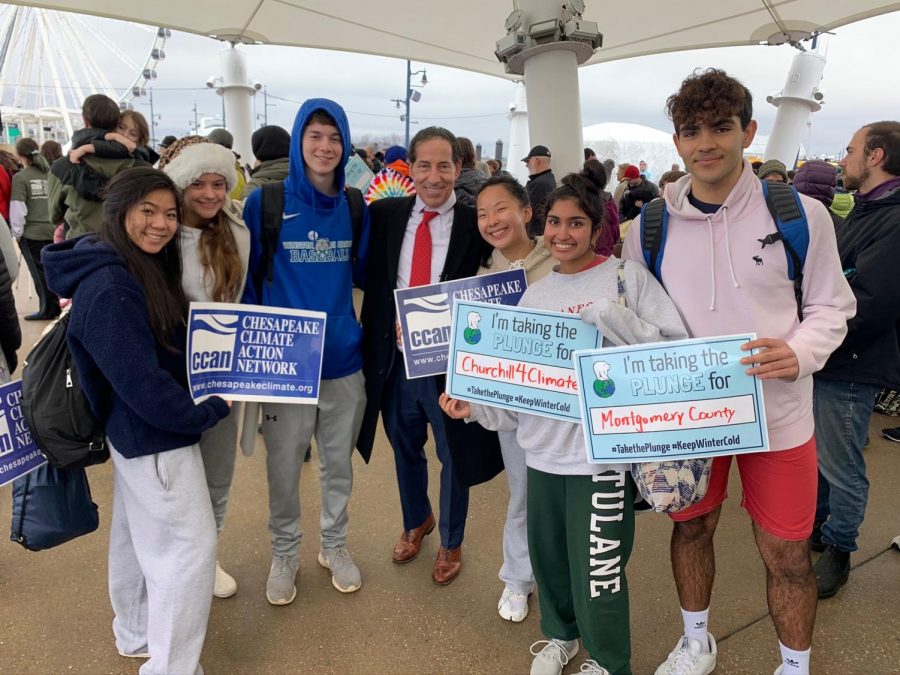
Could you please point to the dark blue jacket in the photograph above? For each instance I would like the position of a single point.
(132, 381)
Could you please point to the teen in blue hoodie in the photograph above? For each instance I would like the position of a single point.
(126, 334)
(313, 269)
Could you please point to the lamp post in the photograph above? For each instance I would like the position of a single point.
(411, 93)
(154, 119)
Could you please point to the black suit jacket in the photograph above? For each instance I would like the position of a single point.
(476, 451)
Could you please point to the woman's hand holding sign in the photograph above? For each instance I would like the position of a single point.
(454, 408)
(776, 360)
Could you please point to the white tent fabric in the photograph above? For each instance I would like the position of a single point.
(625, 142)
(462, 34)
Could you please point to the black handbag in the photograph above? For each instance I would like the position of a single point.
(52, 506)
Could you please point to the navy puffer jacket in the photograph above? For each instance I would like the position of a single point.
(816, 179)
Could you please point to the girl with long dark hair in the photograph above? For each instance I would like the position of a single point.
(127, 335)
(568, 498)
(504, 212)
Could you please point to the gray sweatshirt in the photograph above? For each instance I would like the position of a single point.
(554, 446)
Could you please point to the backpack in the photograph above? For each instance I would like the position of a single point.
(270, 229)
(51, 506)
(58, 413)
(791, 229)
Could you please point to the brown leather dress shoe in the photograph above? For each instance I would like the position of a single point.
(447, 565)
(407, 548)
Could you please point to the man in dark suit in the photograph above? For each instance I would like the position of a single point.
(417, 241)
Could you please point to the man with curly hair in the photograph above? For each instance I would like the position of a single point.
(718, 214)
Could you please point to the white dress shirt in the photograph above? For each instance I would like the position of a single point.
(440, 227)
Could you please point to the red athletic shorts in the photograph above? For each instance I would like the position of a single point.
(779, 490)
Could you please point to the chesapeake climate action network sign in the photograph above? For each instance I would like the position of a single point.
(516, 358)
(670, 400)
(424, 314)
(253, 353)
(19, 453)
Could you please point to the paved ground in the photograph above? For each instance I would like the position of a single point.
(56, 615)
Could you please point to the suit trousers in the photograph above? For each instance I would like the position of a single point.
(409, 407)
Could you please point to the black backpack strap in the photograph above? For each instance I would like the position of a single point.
(356, 203)
(654, 220)
(270, 231)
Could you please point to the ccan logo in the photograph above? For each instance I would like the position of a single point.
(428, 321)
(604, 386)
(213, 337)
(6, 437)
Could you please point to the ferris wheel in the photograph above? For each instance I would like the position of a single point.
(51, 61)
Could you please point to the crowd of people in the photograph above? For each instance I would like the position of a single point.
(136, 244)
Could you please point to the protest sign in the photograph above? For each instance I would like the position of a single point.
(357, 173)
(517, 358)
(253, 353)
(670, 400)
(424, 315)
(19, 453)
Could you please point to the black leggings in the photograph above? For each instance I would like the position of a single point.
(31, 252)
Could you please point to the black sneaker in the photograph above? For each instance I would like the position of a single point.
(892, 434)
(832, 570)
(815, 539)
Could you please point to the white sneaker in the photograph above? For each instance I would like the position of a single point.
(688, 658)
(225, 585)
(553, 657)
(140, 654)
(345, 574)
(513, 606)
(591, 667)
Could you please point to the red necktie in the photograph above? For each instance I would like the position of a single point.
(420, 271)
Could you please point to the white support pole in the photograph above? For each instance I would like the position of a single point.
(554, 108)
(236, 92)
(550, 70)
(796, 102)
(518, 136)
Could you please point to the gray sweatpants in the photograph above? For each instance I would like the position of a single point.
(516, 569)
(162, 558)
(218, 447)
(287, 429)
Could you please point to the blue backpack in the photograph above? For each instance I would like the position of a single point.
(791, 229)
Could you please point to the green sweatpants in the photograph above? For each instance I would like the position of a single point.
(580, 535)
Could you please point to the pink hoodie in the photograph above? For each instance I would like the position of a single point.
(723, 282)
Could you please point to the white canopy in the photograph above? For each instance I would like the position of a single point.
(462, 34)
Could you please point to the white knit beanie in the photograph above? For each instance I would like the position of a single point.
(195, 160)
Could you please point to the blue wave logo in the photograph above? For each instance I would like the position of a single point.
(213, 337)
(428, 321)
(433, 304)
(217, 324)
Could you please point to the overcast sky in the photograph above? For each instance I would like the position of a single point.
(861, 84)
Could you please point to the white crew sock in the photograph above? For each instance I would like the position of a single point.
(696, 626)
(794, 662)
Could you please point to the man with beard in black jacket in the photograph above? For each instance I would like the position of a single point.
(869, 357)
